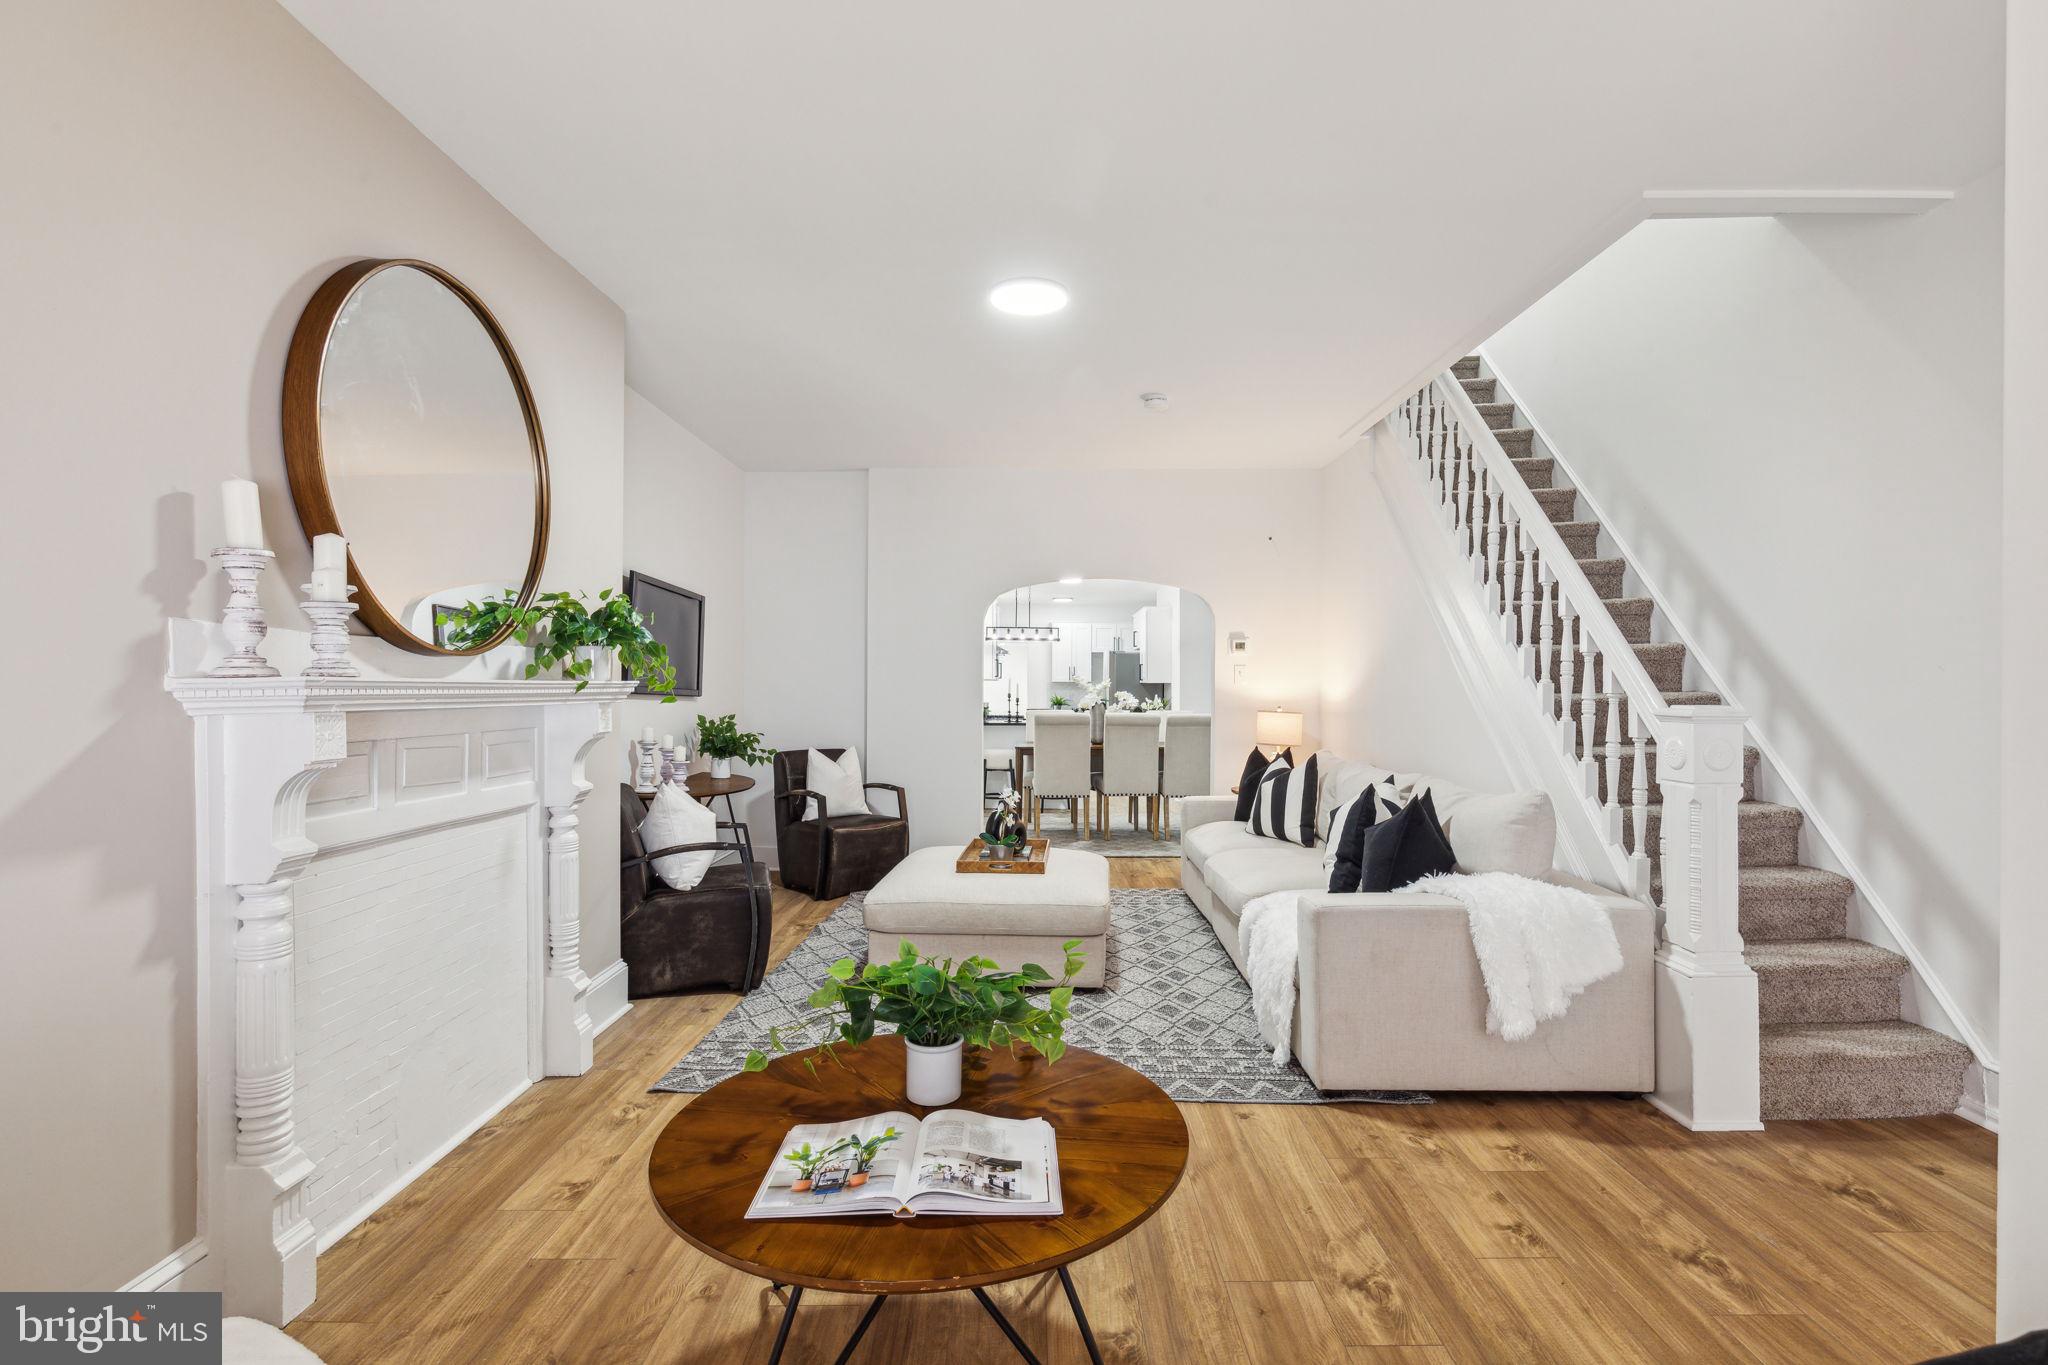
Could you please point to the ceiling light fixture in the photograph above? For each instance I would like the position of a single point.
(1028, 298)
(1154, 402)
(1069, 582)
(1021, 630)
(1061, 601)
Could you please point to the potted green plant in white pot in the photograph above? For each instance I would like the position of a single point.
(940, 1007)
(588, 642)
(721, 740)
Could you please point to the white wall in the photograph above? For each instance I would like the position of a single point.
(2023, 941)
(179, 179)
(1795, 425)
(806, 624)
(939, 551)
(1390, 693)
(685, 524)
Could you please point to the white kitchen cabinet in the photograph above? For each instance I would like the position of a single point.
(1155, 646)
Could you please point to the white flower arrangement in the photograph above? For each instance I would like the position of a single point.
(1152, 704)
(1096, 693)
(1125, 702)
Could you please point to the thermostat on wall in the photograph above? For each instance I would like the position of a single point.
(1240, 644)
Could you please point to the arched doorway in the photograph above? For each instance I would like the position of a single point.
(1082, 644)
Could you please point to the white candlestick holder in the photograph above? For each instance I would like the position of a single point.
(644, 778)
(671, 765)
(243, 622)
(330, 635)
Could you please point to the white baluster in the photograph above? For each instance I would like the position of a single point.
(1482, 500)
(1546, 592)
(1530, 593)
(1510, 608)
(1566, 673)
(1500, 561)
(1488, 522)
(1589, 711)
(1458, 480)
(1639, 797)
(1611, 698)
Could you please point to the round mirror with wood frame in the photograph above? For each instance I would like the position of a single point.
(409, 428)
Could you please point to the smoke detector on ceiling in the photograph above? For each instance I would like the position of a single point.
(1154, 402)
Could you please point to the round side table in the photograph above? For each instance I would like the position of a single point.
(1122, 1147)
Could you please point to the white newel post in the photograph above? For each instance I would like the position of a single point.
(1708, 1074)
(569, 734)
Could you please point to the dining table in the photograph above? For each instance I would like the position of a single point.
(1021, 765)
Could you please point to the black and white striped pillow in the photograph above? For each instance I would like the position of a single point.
(1286, 804)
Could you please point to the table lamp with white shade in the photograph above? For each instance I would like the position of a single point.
(1279, 729)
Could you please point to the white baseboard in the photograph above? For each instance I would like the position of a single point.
(419, 1168)
(607, 1001)
(179, 1270)
(1980, 1098)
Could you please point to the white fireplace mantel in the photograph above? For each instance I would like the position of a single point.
(260, 746)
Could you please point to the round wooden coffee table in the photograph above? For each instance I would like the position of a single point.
(1122, 1147)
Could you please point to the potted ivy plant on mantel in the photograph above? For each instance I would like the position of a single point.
(940, 1007)
(721, 740)
(589, 643)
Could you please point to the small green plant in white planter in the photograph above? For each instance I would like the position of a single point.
(939, 1007)
(560, 629)
(721, 740)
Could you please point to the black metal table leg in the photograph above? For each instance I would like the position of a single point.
(846, 1352)
(1081, 1318)
(1004, 1323)
(796, 1296)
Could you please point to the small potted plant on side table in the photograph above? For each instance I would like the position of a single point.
(721, 740)
(940, 1007)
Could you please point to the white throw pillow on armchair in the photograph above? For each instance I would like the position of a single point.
(839, 782)
(674, 817)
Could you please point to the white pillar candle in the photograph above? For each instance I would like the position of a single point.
(241, 515)
(329, 585)
(647, 735)
(668, 741)
(330, 551)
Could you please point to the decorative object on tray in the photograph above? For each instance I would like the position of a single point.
(957, 1161)
(721, 740)
(938, 1006)
(327, 606)
(1026, 856)
(1005, 844)
(243, 559)
(560, 629)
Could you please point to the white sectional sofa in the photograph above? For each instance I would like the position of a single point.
(1390, 995)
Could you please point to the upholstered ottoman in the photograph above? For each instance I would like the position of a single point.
(1013, 918)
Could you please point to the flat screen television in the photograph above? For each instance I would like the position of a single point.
(676, 617)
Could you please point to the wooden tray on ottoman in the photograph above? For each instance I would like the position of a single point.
(970, 859)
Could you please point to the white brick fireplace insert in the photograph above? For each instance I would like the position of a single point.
(389, 943)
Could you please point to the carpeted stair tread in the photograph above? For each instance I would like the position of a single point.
(1479, 390)
(1779, 903)
(1465, 367)
(1516, 441)
(1631, 617)
(1578, 703)
(1825, 981)
(1663, 660)
(1767, 833)
(1496, 415)
(1892, 1069)
(1559, 504)
(1605, 575)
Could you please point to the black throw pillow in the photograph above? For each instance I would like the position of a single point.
(1405, 847)
(1349, 868)
(1255, 766)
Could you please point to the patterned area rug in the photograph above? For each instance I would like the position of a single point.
(1174, 1008)
(1123, 841)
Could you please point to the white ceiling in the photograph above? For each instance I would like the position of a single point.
(1091, 596)
(1279, 215)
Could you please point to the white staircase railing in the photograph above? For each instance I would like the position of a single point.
(1597, 696)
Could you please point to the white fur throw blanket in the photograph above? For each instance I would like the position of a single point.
(1539, 945)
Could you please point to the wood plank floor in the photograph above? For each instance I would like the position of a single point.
(1481, 1228)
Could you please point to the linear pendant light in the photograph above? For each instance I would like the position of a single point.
(1019, 631)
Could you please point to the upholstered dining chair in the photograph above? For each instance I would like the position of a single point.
(827, 854)
(1130, 764)
(713, 937)
(1184, 760)
(1061, 754)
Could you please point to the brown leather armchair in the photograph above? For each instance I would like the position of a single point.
(713, 937)
(827, 855)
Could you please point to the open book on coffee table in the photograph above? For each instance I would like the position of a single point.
(950, 1161)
